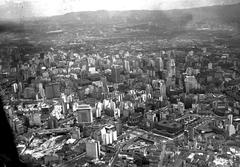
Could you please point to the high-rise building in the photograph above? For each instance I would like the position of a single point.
(109, 134)
(119, 127)
(191, 134)
(36, 119)
(106, 104)
(151, 71)
(127, 66)
(159, 85)
(117, 113)
(99, 108)
(159, 64)
(181, 107)
(171, 68)
(191, 83)
(115, 74)
(84, 113)
(93, 149)
(52, 123)
(29, 93)
(230, 127)
(112, 105)
(49, 92)
(52, 91)
(163, 152)
(151, 116)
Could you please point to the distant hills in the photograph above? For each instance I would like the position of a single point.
(228, 15)
(25, 9)
(135, 23)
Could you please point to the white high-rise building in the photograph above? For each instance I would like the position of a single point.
(103, 135)
(127, 65)
(120, 97)
(112, 105)
(115, 135)
(162, 87)
(160, 64)
(99, 108)
(106, 104)
(230, 127)
(108, 139)
(109, 134)
(171, 68)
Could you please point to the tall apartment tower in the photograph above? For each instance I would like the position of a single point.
(84, 113)
(115, 74)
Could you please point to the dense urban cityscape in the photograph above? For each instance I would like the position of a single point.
(120, 95)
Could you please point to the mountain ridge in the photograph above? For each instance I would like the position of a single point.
(24, 11)
(227, 15)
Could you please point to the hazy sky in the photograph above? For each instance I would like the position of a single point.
(29, 8)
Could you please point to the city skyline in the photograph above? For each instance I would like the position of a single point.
(120, 88)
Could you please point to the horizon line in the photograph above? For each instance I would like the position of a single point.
(11, 19)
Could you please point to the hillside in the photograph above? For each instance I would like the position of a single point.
(227, 14)
(127, 24)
